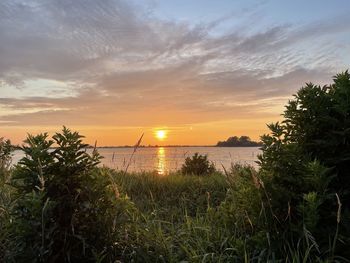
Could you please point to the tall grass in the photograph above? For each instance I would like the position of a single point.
(192, 219)
(218, 218)
(170, 194)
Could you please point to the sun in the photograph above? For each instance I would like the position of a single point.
(161, 134)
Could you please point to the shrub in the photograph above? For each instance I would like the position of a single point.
(198, 165)
(5, 195)
(5, 158)
(305, 163)
(65, 211)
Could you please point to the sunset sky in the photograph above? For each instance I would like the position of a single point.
(201, 70)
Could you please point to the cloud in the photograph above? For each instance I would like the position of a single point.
(127, 67)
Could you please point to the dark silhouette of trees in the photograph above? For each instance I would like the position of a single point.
(243, 141)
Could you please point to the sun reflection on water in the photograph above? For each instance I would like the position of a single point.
(161, 166)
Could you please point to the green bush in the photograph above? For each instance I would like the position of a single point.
(6, 150)
(198, 165)
(6, 198)
(65, 211)
(306, 162)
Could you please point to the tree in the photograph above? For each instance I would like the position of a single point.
(234, 141)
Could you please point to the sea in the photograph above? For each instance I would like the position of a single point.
(164, 160)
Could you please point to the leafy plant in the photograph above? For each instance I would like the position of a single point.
(6, 150)
(6, 198)
(305, 162)
(198, 165)
(64, 211)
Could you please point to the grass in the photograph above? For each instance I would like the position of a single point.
(172, 194)
(182, 218)
(178, 218)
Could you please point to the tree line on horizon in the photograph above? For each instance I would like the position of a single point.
(235, 141)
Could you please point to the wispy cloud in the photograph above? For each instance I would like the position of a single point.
(121, 65)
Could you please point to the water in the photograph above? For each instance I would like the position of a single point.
(167, 159)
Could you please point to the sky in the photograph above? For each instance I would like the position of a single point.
(201, 70)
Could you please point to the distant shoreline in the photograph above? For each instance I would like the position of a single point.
(173, 146)
(159, 146)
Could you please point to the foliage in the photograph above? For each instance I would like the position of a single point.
(243, 141)
(244, 195)
(305, 163)
(6, 198)
(165, 220)
(64, 211)
(198, 165)
(5, 158)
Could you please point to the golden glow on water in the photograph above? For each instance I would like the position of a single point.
(161, 166)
